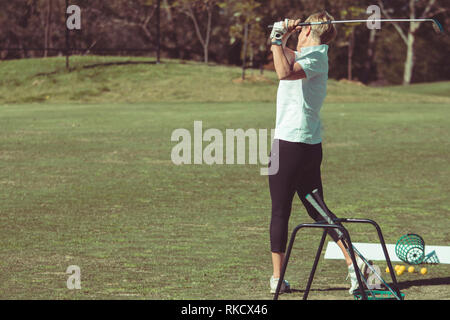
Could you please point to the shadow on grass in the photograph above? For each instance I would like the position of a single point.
(424, 282)
(107, 64)
(318, 290)
(401, 285)
(96, 65)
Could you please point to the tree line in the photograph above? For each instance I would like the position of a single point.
(233, 32)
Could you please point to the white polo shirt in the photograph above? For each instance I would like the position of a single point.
(299, 101)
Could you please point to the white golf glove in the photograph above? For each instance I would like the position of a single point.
(279, 29)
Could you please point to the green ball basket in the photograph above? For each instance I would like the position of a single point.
(410, 248)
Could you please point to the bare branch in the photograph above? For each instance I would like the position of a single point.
(428, 8)
(148, 17)
(436, 12)
(191, 15)
(208, 28)
(426, 13)
(413, 26)
(396, 26)
(88, 50)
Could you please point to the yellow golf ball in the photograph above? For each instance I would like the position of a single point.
(411, 269)
(400, 272)
(387, 269)
(396, 267)
(403, 268)
(423, 270)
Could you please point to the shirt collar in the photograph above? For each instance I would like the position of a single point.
(320, 48)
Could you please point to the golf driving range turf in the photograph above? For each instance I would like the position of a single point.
(86, 179)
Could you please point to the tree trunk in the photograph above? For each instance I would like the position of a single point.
(168, 11)
(370, 57)
(244, 60)
(251, 56)
(47, 28)
(351, 44)
(67, 38)
(409, 62)
(158, 31)
(205, 54)
(205, 41)
(4, 53)
(208, 33)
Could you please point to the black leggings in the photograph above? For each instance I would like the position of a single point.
(299, 171)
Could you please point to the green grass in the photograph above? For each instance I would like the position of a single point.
(86, 179)
(430, 89)
(129, 80)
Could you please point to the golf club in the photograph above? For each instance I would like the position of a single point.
(436, 25)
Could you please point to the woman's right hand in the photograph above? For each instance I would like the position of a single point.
(293, 25)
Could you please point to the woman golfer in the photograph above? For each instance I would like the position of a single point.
(303, 78)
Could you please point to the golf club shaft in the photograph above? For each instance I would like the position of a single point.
(301, 24)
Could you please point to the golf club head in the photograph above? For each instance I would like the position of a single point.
(437, 26)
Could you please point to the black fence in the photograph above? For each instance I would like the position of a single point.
(82, 40)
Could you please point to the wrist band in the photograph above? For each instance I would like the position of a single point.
(277, 42)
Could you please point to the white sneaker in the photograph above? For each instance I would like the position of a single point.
(352, 274)
(285, 287)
